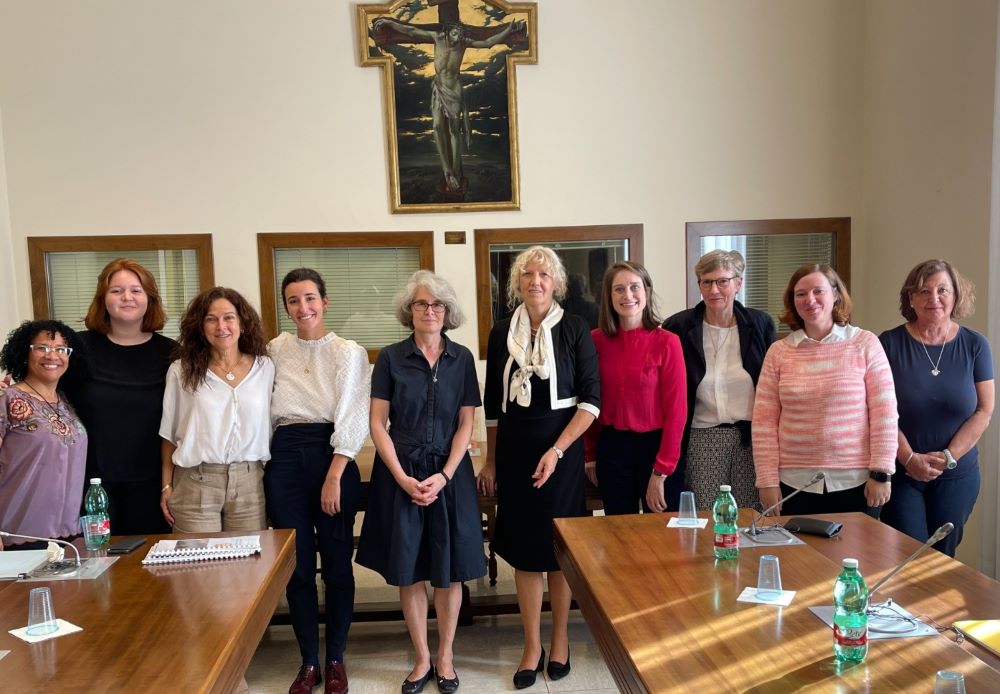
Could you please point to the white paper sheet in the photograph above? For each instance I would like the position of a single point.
(749, 594)
(676, 523)
(64, 628)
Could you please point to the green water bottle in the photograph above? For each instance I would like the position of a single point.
(850, 614)
(724, 512)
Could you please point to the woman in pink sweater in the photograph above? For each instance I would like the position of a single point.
(825, 403)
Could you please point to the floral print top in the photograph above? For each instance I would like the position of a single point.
(43, 458)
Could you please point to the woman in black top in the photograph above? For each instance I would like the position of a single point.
(119, 393)
(724, 345)
(422, 521)
(542, 393)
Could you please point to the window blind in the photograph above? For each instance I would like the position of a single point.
(71, 277)
(361, 284)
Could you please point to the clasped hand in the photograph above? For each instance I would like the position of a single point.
(925, 467)
(423, 492)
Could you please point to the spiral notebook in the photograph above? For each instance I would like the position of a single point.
(203, 549)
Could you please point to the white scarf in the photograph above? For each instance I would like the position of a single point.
(532, 358)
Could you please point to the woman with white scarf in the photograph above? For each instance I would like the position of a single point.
(542, 393)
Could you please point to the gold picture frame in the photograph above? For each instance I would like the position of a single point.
(450, 97)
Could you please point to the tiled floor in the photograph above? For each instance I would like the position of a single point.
(379, 654)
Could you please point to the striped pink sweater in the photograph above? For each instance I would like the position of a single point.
(824, 405)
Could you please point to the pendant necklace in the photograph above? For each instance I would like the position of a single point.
(48, 405)
(434, 375)
(230, 376)
(934, 365)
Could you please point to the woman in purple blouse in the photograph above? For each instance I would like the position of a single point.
(43, 445)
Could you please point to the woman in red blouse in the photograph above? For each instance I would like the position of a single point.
(636, 440)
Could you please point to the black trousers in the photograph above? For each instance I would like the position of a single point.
(845, 501)
(624, 463)
(293, 481)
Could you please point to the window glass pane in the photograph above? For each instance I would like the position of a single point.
(771, 259)
(72, 278)
(585, 263)
(360, 283)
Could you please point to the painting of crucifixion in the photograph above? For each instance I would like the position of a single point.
(451, 98)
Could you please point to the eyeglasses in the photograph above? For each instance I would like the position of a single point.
(422, 306)
(721, 283)
(45, 349)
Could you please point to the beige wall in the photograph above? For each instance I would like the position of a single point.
(928, 110)
(242, 116)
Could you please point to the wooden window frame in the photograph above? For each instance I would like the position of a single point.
(840, 227)
(270, 242)
(38, 246)
(632, 233)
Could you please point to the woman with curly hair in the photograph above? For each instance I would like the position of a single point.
(43, 445)
(216, 425)
(124, 371)
(422, 522)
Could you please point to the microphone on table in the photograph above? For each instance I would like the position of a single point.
(754, 531)
(53, 568)
(938, 535)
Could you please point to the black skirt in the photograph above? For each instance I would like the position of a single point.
(406, 543)
(523, 535)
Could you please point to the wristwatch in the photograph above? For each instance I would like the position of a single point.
(559, 453)
(880, 476)
(952, 463)
(657, 473)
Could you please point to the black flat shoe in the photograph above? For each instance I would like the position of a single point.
(447, 685)
(525, 678)
(556, 671)
(410, 687)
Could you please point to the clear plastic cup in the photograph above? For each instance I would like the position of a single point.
(949, 682)
(769, 578)
(41, 616)
(688, 515)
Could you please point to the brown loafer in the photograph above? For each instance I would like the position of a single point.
(309, 676)
(336, 677)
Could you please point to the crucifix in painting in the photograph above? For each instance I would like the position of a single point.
(451, 91)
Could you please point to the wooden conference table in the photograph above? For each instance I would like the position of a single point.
(665, 616)
(173, 627)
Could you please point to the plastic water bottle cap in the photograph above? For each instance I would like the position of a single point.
(725, 488)
(850, 563)
(95, 480)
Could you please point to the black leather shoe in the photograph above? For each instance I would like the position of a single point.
(556, 671)
(308, 678)
(410, 687)
(525, 678)
(447, 685)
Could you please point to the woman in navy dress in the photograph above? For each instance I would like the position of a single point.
(422, 521)
(944, 389)
(542, 393)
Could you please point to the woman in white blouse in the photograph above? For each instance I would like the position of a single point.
(320, 413)
(216, 424)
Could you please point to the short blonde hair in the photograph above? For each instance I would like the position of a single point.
(543, 256)
(436, 286)
(713, 260)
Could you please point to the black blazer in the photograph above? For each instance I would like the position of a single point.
(756, 330)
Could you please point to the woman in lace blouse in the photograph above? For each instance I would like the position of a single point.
(319, 411)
